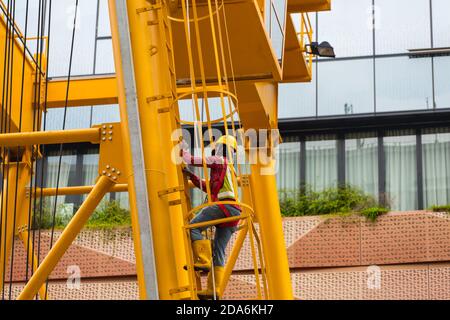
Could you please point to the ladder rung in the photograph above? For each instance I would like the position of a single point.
(179, 290)
(175, 202)
(152, 22)
(170, 190)
(159, 97)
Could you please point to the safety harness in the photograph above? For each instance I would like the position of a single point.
(227, 195)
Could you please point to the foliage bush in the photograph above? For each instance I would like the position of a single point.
(110, 215)
(107, 216)
(43, 216)
(341, 200)
(444, 208)
(374, 212)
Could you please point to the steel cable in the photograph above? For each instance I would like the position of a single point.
(17, 162)
(63, 127)
(33, 177)
(41, 26)
(4, 122)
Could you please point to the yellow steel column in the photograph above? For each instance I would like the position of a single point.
(102, 187)
(167, 125)
(267, 209)
(12, 205)
(137, 228)
(6, 232)
(154, 94)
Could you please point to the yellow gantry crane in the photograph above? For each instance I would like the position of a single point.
(220, 60)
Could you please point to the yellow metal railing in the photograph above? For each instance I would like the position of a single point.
(305, 36)
(246, 228)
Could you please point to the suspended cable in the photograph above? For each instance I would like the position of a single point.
(45, 124)
(63, 127)
(21, 102)
(33, 177)
(17, 165)
(6, 85)
(40, 44)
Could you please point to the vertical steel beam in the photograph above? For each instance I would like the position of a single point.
(267, 209)
(16, 177)
(140, 34)
(133, 152)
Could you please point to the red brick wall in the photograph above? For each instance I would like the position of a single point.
(330, 259)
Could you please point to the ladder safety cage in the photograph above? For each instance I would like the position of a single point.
(199, 93)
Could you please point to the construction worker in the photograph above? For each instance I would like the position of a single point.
(221, 185)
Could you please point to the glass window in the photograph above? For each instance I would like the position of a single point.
(105, 114)
(123, 200)
(62, 20)
(441, 23)
(104, 61)
(346, 87)
(63, 12)
(76, 118)
(401, 170)
(442, 81)
(436, 167)
(280, 10)
(104, 27)
(68, 161)
(401, 25)
(33, 16)
(348, 27)
(361, 162)
(277, 35)
(90, 167)
(321, 162)
(288, 164)
(403, 84)
(275, 18)
(57, 174)
(297, 100)
(90, 171)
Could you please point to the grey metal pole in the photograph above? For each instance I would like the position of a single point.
(134, 132)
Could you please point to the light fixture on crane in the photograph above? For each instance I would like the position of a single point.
(324, 49)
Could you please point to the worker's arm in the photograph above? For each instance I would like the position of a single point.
(211, 162)
(199, 183)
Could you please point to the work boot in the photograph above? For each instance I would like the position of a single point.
(208, 294)
(202, 255)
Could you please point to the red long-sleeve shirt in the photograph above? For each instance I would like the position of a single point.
(217, 168)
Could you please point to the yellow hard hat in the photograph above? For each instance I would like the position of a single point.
(227, 140)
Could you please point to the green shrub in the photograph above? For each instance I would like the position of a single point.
(42, 216)
(373, 213)
(107, 216)
(442, 208)
(110, 215)
(342, 200)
